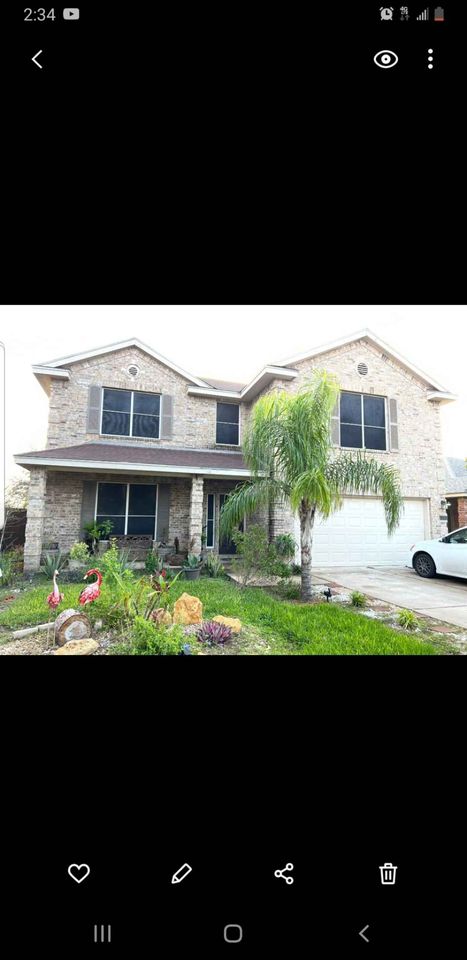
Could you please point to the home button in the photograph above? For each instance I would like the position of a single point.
(233, 933)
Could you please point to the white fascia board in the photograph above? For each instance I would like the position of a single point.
(367, 334)
(122, 467)
(111, 348)
(442, 396)
(42, 371)
(267, 374)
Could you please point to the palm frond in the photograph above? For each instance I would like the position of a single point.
(354, 473)
(248, 497)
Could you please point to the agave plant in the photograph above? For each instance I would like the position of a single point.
(213, 633)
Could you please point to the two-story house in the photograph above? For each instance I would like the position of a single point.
(137, 440)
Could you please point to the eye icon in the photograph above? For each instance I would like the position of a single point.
(386, 59)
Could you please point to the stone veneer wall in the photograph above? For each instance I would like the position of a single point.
(419, 459)
(194, 418)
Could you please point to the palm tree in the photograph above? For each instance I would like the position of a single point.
(289, 452)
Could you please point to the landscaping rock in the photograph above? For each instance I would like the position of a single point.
(161, 616)
(78, 648)
(188, 609)
(233, 622)
(71, 625)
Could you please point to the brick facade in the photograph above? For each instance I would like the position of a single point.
(419, 459)
(54, 512)
(194, 418)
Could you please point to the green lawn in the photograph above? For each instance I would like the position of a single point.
(289, 628)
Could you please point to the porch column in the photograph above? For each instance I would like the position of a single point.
(35, 520)
(196, 514)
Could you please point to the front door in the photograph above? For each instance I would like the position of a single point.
(226, 545)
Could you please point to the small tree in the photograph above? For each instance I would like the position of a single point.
(255, 554)
(289, 452)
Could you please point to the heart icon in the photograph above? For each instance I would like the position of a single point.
(79, 871)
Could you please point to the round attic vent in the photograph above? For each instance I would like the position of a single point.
(362, 369)
(133, 370)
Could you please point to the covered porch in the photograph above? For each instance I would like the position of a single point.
(161, 503)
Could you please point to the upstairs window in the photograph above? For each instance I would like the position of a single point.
(129, 413)
(362, 421)
(227, 424)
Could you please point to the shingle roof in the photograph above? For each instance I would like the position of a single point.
(456, 475)
(224, 384)
(146, 455)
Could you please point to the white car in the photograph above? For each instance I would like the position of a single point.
(447, 555)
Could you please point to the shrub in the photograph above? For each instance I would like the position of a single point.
(213, 633)
(53, 562)
(288, 590)
(358, 599)
(8, 568)
(255, 554)
(280, 568)
(295, 569)
(153, 562)
(80, 552)
(98, 531)
(408, 620)
(115, 564)
(148, 639)
(213, 566)
(285, 546)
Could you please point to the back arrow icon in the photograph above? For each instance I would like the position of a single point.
(35, 61)
(362, 933)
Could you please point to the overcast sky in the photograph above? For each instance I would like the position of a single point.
(225, 342)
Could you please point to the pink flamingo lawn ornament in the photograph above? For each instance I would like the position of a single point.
(92, 591)
(53, 600)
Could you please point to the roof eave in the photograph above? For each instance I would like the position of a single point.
(154, 469)
(112, 348)
(367, 334)
(262, 380)
(442, 396)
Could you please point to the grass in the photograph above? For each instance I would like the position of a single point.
(288, 628)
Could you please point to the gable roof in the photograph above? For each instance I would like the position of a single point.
(438, 392)
(237, 391)
(52, 367)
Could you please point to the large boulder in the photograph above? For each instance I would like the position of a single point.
(78, 648)
(188, 609)
(233, 622)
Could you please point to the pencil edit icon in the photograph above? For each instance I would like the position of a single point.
(181, 873)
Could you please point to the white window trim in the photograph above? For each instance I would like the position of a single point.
(127, 501)
(131, 435)
(211, 546)
(230, 424)
(362, 424)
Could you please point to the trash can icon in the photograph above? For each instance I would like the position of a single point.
(388, 874)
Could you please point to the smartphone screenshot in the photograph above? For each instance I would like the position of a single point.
(232, 530)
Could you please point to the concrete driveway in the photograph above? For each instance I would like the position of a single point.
(444, 598)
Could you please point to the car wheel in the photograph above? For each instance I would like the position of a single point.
(424, 565)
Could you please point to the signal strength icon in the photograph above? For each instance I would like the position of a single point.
(425, 15)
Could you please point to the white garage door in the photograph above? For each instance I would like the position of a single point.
(357, 535)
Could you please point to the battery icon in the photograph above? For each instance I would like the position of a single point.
(439, 14)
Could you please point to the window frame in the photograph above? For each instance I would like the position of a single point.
(127, 501)
(229, 422)
(131, 435)
(211, 546)
(376, 396)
